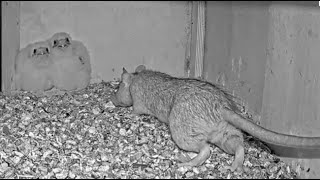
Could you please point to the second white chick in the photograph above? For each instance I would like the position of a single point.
(71, 62)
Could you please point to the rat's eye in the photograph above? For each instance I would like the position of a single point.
(55, 42)
(34, 51)
(67, 40)
(47, 50)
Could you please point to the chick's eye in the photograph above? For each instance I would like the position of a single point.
(67, 40)
(47, 50)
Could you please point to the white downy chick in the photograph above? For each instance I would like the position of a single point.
(33, 67)
(72, 68)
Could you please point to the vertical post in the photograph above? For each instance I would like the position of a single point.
(187, 62)
(197, 39)
(200, 35)
(10, 43)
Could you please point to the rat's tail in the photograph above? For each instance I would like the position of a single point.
(269, 136)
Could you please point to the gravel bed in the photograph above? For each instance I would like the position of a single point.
(82, 135)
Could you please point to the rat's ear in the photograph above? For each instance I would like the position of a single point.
(124, 70)
(140, 68)
(125, 76)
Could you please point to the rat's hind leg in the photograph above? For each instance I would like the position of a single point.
(230, 140)
(200, 158)
(190, 133)
(189, 139)
(234, 145)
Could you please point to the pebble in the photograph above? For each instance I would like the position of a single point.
(189, 174)
(92, 130)
(26, 117)
(56, 170)
(195, 170)
(3, 167)
(104, 168)
(122, 132)
(109, 105)
(72, 175)
(183, 169)
(62, 175)
(96, 111)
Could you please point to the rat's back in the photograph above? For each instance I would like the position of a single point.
(158, 92)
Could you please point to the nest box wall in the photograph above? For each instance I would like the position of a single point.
(117, 34)
(10, 34)
(268, 53)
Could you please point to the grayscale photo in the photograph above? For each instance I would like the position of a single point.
(160, 90)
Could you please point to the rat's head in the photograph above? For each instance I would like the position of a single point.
(123, 95)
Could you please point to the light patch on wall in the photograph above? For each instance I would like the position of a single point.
(117, 34)
(38, 18)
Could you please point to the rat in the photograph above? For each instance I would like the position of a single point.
(198, 114)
